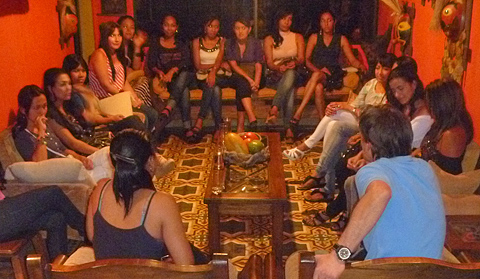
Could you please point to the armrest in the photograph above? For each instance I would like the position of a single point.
(269, 268)
(253, 268)
(307, 264)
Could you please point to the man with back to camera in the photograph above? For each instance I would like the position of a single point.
(400, 212)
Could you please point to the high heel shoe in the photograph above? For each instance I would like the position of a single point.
(294, 154)
(252, 126)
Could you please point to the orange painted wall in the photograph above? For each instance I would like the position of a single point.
(472, 81)
(29, 47)
(99, 19)
(428, 52)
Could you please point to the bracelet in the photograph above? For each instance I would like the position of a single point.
(354, 110)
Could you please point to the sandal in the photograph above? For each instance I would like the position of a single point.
(324, 196)
(318, 182)
(294, 154)
(165, 114)
(316, 219)
(271, 119)
(339, 225)
(193, 135)
(253, 126)
(294, 123)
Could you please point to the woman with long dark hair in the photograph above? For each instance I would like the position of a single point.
(373, 93)
(452, 129)
(322, 59)
(107, 69)
(134, 42)
(245, 56)
(169, 60)
(126, 216)
(284, 51)
(58, 89)
(84, 105)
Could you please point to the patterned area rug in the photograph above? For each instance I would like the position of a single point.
(241, 236)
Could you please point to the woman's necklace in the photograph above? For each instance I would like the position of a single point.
(213, 49)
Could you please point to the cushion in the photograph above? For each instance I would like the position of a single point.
(57, 170)
(8, 150)
(464, 183)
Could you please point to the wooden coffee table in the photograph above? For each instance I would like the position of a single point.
(463, 237)
(271, 199)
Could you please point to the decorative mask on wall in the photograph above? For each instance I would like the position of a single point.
(402, 26)
(67, 17)
(451, 17)
(452, 20)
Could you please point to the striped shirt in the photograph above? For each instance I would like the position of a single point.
(119, 82)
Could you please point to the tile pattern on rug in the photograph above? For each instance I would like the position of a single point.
(241, 236)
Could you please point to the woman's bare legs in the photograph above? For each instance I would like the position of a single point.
(240, 121)
(309, 90)
(247, 104)
(320, 100)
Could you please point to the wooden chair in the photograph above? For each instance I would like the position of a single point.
(142, 269)
(16, 251)
(387, 268)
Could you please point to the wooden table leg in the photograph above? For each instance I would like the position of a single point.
(277, 236)
(214, 227)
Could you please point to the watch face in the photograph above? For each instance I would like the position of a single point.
(344, 253)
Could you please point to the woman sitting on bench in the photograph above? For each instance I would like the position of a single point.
(284, 51)
(322, 59)
(207, 53)
(245, 56)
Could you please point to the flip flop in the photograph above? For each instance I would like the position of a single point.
(325, 197)
(319, 182)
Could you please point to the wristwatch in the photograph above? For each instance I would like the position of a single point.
(343, 253)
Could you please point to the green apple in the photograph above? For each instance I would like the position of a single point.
(255, 146)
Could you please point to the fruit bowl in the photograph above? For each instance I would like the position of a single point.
(245, 149)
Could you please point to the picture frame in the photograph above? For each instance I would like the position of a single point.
(114, 7)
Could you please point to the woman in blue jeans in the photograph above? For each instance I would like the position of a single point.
(284, 51)
(169, 59)
(207, 52)
(46, 209)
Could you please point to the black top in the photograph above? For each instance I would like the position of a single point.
(448, 164)
(26, 142)
(327, 56)
(70, 122)
(110, 242)
(166, 58)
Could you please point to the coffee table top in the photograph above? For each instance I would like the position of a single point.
(263, 182)
(463, 232)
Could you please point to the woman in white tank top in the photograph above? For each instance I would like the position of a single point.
(284, 51)
(207, 52)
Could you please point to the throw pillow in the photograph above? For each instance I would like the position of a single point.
(57, 170)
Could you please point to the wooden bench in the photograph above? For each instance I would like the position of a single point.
(142, 269)
(16, 251)
(387, 268)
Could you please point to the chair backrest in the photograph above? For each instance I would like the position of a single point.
(389, 268)
(128, 268)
